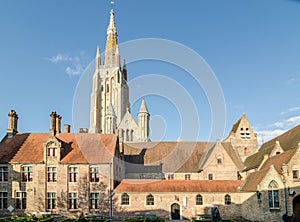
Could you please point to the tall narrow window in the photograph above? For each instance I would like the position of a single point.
(3, 200)
(273, 195)
(150, 199)
(227, 199)
(219, 161)
(125, 199)
(295, 174)
(94, 200)
(242, 133)
(73, 200)
(21, 200)
(245, 151)
(27, 173)
(73, 174)
(210, 176)
(247, 133)
(199, 199)
(94, 174)
(51, 201)
(187, 176)
(3, 174)
(51, 175)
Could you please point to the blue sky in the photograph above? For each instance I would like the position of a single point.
(252, 47)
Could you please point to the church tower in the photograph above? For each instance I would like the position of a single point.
(109, 84)
(110, 107)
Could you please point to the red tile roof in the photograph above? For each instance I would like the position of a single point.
(80, 148)
(226, 186)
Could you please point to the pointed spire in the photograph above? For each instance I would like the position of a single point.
(111, 41)
(143, 108)
(110, 110)
(98, 58)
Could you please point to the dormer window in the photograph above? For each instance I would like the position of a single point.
(52, 151)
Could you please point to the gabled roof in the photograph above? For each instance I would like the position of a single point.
(78, 148)
(288, 140)
(177, 157)
(252, 180)
(226, 186)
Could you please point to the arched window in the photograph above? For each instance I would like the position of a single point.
(125, 199)
(273, 195)
(150, 200)
(199, 199)
(227, 199)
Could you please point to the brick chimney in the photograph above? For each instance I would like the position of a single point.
(12, 123)
(67, 128)
(53, 123)
(58, 124)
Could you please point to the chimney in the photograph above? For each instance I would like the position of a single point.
(58, 124)
(67, 128)
(12, 123)
(53, 123)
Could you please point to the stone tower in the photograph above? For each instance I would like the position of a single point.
(109, 84)
(242, 138)
(110, 107)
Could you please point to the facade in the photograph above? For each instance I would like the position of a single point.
(110, 107)
(115, 169)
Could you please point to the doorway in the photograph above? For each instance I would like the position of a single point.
(175, 211)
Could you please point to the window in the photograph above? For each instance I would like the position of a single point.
(295, 174)
(187, 176)
(247, 133)
(94, 200)
(52, 151)
(245, 151)
(51, 174)
(21, 200)
(219, 161)
(3, 174)
(3, 200)
(125, 199)
(273, 195)
(94, 174)
(210, 176)
(73, 200)
(107, 88)
(242, 133)
(150, 199)
(73, 174)
(171, 176)
(51, 201)
(227, 199)
(199, 199)
(26, 173)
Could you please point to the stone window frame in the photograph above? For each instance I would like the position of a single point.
(73, 174)
(171, 176)
(51, 174)
(94, 174)
(150, 200)
(51, 200)
(26, 173)
(210, 176)
(73, 201)
(94, 200)
(295, 174)
(125, 199)
(199, 199)
(273, 195)
(3, 200)
(21, 200)
(227, 199)
(3, 174)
